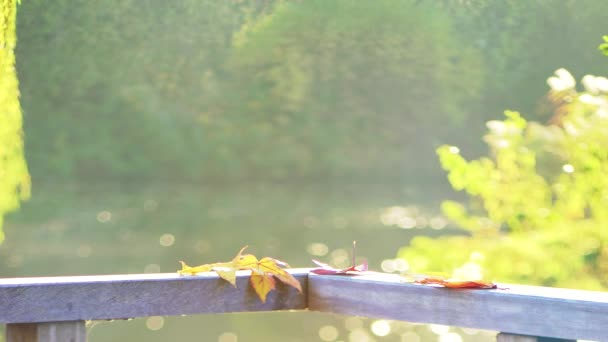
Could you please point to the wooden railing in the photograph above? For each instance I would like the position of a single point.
(56, 308)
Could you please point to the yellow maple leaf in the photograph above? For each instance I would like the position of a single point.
(262, 284)
(193, 270)
(246, 262)
(227, 273)
(272, 266)
(263, 272)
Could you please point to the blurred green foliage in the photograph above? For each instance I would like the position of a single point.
(604, 46)
(349, 87)
(14, 178)
(524, 41)
(537, 211)
(208, 90)
(116, 91)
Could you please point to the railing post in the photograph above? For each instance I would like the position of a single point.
(71, 331)
(504, 337)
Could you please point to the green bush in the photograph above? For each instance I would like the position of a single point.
(538, 203)
(14, 178)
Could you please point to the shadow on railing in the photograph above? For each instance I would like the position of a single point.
(56, 308)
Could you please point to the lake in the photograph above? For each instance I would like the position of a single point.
(107, 228)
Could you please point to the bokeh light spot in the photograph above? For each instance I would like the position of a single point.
(328, 333)
(401, 265)
(568, 168)
(450, 337)
(228, 337)
(439, 329)
(104, 216)
(167, 240)
(438, 223)
(388, 265)
(155, 323)
(381, 327)
(84, 251)
(359, 335)
(454, 150)
(340, 258)
(407, 222)
(317, 249)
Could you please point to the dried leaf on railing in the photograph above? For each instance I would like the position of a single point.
(325, 269)
(263, 272)
(455, 283)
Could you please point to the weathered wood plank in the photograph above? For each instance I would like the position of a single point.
(47, 332)
(21, 332)
(527, 310)
(503, 337)
(52, 299)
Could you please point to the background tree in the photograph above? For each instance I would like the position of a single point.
(352, 88)
(14, 178)
(537, 211)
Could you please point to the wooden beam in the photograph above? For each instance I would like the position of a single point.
(526, 310)
(51, 299)
(46, 332)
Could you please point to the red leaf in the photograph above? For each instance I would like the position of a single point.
(456, 284)
(325, 269)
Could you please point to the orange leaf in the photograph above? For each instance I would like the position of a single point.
(262, 284)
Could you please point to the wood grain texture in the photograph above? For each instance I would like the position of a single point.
(503, 337)
(47, 332)
(525, 310)
(23, 332)
(52, 299)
